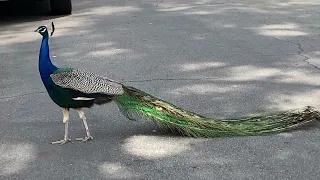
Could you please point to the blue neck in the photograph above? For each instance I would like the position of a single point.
(45, 65)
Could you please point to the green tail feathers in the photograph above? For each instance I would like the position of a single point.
(137, 103)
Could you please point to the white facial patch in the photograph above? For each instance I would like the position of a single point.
(42, 30)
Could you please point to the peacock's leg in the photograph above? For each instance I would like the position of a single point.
(83, 117)
(65, 120)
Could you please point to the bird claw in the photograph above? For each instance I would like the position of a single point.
(61, 142)
(87, 138)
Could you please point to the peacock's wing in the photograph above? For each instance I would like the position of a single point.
(85, 82)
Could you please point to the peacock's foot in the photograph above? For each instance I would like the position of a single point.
(87, 138)
(61, 142)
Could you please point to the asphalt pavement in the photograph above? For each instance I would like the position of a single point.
(219, 58)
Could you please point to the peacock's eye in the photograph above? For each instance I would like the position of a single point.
(42, 30)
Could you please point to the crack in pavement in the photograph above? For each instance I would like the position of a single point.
(305, 58)
(295, 43)
(159, 3)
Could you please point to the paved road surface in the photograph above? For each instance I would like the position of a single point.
(218, 58)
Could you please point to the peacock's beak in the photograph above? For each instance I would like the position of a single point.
(35, 30)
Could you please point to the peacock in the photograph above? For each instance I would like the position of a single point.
(76, 89)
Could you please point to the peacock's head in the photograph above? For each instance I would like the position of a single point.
(42, 30)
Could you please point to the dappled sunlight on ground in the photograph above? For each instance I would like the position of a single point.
(107, 10)
(207, 8)
(15, 157)
(212, 88)
(296, 2)
(154, 147)
(299, 77)
(171, 9)
(279, 30)
(18, 38)
(285, 101)
(285, 134)
(254, 73)
(116, 171)
(250, 73)
(107, 52)
(200, 66)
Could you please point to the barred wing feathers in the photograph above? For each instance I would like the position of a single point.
(86, 82)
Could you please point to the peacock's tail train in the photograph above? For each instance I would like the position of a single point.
(135, 102)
